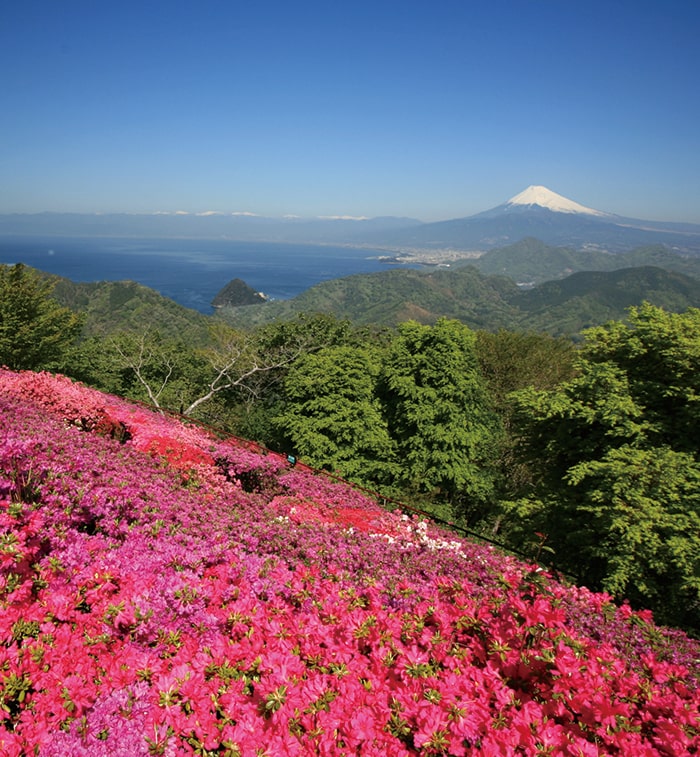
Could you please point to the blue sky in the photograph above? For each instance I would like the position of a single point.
(432, 110)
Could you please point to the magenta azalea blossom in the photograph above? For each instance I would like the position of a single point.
(167, 592)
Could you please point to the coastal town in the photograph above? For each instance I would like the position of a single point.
(442, 258)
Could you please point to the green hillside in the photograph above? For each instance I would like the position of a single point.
(562, 307)
(614, 289)
(393, 296)
(590, 298)
(531, 261)
(112, 306)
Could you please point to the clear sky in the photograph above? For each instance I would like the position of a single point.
(432, 109)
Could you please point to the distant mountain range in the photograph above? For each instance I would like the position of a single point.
(536, 212)
(530, 261)
(238, 227)
(561, 307)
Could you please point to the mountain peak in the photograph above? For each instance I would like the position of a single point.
(545, 198)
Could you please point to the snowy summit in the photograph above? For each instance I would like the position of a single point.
(545, 198)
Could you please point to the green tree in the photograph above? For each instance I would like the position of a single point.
(308, 331)
(512, 361)
(659, 353)
(440, 416)
(333, 418)
(616, 490)
(34, 330)
(306, 334)
(643, 506)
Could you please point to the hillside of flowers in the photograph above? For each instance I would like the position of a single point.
(167, 592)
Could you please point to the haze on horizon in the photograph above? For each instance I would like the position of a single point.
(433, 111)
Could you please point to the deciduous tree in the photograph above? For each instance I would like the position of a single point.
(333, 417)
(617, 486)
(174, 377)
(440, 415)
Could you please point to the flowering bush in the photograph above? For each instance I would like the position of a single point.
(163, 592)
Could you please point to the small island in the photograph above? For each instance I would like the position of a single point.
(237, 293)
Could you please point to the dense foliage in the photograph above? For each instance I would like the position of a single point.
(34, 329)
(440, 414)
(412, 416)
(166, 592)
(333, 417)
(615, 455)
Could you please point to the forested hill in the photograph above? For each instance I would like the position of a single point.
(562, 306)
(481, 301)
(589, 298)
(532, 261)
(392, 296)
(110, 306)
(615, 289)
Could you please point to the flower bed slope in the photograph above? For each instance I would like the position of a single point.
(163, 592)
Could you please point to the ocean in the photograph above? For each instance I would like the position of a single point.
(191, 271)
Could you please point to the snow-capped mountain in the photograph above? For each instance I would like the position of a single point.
(554, 219)
(545, 198)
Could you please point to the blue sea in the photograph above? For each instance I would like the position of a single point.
(191, 271)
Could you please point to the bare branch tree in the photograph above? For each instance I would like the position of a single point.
(235, 362)
(232, 362)
(142, 356)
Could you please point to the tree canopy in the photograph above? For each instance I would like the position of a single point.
(333, 416)
(616, 491)
(34, 329)
(440, 414)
